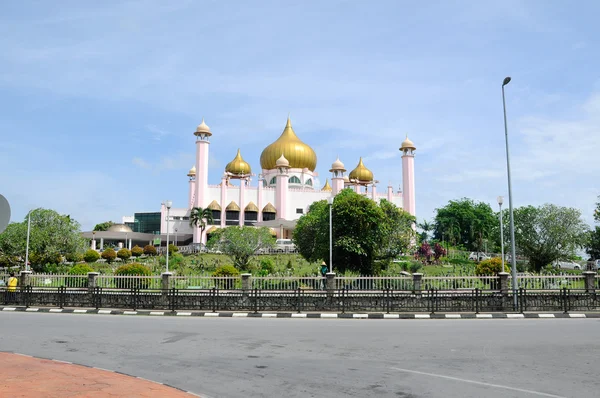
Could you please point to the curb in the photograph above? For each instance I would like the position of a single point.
(102, 369)
(326, 315)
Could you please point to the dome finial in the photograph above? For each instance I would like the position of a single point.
(289, 122)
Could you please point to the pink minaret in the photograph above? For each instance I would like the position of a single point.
(281, 188)
(192, 175)
(223, 199)
(408, 176)
(260, 195)
(202, 134)
(242, 208)
(390, 192)
(374, 191)
(337, 180)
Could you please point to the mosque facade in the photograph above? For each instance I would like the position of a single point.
(283, 191)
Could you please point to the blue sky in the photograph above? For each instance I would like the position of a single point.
(98, 100)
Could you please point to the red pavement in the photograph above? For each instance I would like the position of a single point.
(22, 376)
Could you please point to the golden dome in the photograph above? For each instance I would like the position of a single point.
(232, 206)
(192, 172)
(407, 144)
(282, 162)
(346, 179)
(269, 208)
(251, 207)
(295, 151)
(203, 129)
(238, 165)
(361, 173)
(337, 165)
(327, 187)
(214, 206)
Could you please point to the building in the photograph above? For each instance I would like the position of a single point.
(284, 189)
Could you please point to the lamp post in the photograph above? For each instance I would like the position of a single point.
(27, 245)
(513, 257)
(330, 201)
(175, 236)
(500, 201)
(168, 205)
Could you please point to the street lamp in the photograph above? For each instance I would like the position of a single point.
(175, 236)
(330, 201)
(500, 201)
(168, 205)
(513, 256)
(27, 246)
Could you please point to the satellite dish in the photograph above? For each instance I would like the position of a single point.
(4, 213)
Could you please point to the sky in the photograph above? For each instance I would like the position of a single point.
(99, 100)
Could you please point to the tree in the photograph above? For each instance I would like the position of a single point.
(362, 232)
(438, 252)
(597, 211)
(109, 255)
(104, 226)
(124, 254)
(548, 233)
(149, 250)
(136, 251)
(200, 217)
(426, 227)
(52, 237)
(91, 256)
(241, 244)
(424, 252)
(465, 222)
(593, 244)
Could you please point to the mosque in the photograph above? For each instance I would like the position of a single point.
(284, 190)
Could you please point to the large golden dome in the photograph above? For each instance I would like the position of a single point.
(295, 151)
(361, 173)
(238, 165)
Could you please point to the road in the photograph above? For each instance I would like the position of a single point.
(246, 357)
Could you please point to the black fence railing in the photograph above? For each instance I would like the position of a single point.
(301, 300)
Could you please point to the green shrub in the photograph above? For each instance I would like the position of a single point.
(79, 269)
(150, 250)
(109, 255)
(133, 269)
(267, 267)
(137, 251)
(91, 256)
(74, 257)
(124, 254)
(490, 267)
(226, 270)
(172, 249)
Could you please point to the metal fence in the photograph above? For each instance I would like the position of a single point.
(550, 282)
(375, 283)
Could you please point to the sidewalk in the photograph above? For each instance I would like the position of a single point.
(25, 376)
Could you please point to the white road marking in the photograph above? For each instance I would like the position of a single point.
(515, 316)
(129, 312)
(240, 314)
(80, 311)
(106, 370)
(422, 316)
(360, 315)
(32, 309)
(577, 315)
(546, 316)
(453, 316)
(543, 394)
(184, 313)
(23, 355)
(269, 315)
(55, 310)
(8, 309)
(157, 313)
(329, 315)
(483, 315)
(391, 316)
(58, 360)
(298, 315)
(211, 314)
(104, 311)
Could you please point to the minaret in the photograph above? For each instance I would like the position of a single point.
(337, 178)
(281, 188)
(202, 134)
(408, 176)
(192, 175)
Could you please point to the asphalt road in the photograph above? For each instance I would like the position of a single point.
(245, 357)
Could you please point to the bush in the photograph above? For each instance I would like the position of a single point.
(133, 269)
(267, 267)
(137, 251)
(109, 255)
(91, 256)
(124, 254)
(490, 267)
(172, 249)
(226, 270)
(150, 250)
(79, 269)
(74, 257)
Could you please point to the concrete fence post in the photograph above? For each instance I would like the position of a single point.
(25, 278)
(246, 282)
(92, 281)
(165, 284)
(330, 283)
(590, 279)
(417, 281)
(503, 279)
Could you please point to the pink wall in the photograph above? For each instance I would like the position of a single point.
(390, 193)
(223, 200)
(337, 184)
(242, 191)
(281, 195)
(374, 192)
(192, 192)
(408, 183)
(259, 200)
(201, 180)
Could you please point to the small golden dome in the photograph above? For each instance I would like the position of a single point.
(251, 207)
(407, 144)
(337, 165)
(232, 206)
(361, 173)
(238, 165)
(298, 154)
(192, 172)
(327, 187)
(214, 206)
(282, 162)
(346, 179)
(203, 129)
(269, 208)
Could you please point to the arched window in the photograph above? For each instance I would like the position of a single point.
(294, 180)
(273, 181)
(309, 182)
(264, 182)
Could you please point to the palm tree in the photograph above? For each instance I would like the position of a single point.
(200, 217)
(426, 227)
